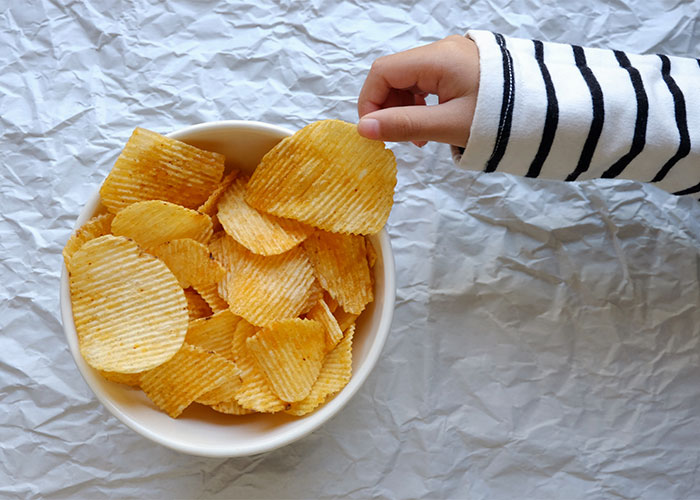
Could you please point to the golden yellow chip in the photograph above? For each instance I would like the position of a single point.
(190, 373)
(344, 318)
(190, 261)
(130, 313)
(335, 374)
(231, 408)
(330, 301)
(260, 233)
(154, 167)
(255, 393)
(340, 264)
(94, 228)
(327, 175)
(209, 207)
(211, 295)
(150, 223)
(371, 253)
(315, 294)
(225, 392)
(132, 379)
(197, 307)
(263, 289)
(290, 353)
(214, 333)
(323, 315)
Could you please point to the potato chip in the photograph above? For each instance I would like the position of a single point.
(130, 313)
(263, 289)
(190, 373)
(290, 353)
(260, 233)
(225, 392)
(211, 295)
(214, 333)
(340, 264)
(231, 408)
(327, 175)
(197, 307)
(132, 379)
(154, 167)
(371, 253)
(323, 315)
(315, 293)
(330, 301)
(190, 262)
(150, 223)
(97, 226)
(255, 393)
(209, 207)
(335, 374)
(344, 318)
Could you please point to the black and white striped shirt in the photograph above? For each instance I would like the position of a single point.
(566, 112)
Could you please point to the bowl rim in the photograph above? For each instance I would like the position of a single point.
(309, 422)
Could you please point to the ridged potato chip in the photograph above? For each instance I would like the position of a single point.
(263, 289)
(335, 374)
(344, 318)
(191, 372)
(290, 353)
(231, 408)
(150, 223)
(371, 253)
(321, 313)
(209, 207)
(260, 233)
(214, 333)
(190, 261)
(197, 307)
(210, 293)
(94, 228)
(225, 392)
(155, 167)
(328, 176)
(340, 264)
(132, 379)
(315, 294)
(129, 311)
(255, 393)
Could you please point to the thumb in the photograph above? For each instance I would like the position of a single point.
(448, 122)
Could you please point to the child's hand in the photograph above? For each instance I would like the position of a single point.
(392, 100)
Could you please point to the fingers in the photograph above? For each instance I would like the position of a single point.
(416, 71)
(448, 122)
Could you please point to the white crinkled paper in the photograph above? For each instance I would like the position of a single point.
(546, 339)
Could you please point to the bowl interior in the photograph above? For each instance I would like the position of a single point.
(200, 430)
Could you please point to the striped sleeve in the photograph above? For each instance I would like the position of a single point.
(572, 113)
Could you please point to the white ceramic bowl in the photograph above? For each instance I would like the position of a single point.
(200, 430)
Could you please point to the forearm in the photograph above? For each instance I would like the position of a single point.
(565, 112)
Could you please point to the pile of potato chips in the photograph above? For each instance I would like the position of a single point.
(237, 293)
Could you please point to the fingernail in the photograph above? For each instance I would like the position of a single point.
(368, 127)
(420, 144)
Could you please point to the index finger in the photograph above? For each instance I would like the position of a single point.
(416, 68)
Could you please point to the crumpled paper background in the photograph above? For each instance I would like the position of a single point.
(546, 339)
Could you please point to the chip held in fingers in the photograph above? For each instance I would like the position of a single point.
(129, 311)
(328, 176)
